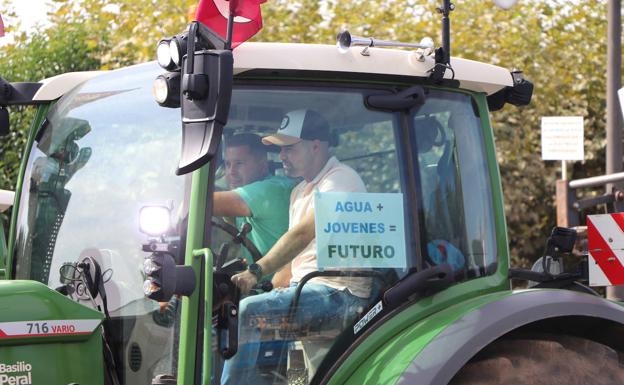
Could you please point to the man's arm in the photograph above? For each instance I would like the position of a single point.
(229, 204)
(289, 245)
(284, 250)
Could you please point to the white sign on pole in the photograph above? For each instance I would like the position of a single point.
(562, 138)
(621, 95)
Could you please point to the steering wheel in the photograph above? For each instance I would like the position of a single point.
(238, 237)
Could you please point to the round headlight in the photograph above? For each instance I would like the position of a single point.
(163, 55)
(160, 89)
(175, 51)
(166, 89)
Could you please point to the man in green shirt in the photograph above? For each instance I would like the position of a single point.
(256, 196)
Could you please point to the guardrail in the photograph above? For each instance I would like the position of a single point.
(570, 206)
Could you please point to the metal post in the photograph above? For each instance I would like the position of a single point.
(614, 128)
(565, 197)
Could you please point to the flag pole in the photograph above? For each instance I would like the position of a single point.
(230, 27)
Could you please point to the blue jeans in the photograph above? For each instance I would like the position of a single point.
(317, 303)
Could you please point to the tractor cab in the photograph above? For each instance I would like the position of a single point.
(424, 219)
(368, 180)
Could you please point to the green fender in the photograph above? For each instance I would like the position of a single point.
(46, 338)
(431, 350)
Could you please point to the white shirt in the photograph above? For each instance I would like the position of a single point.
(333, 177)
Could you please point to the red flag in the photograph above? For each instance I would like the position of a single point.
(1, 27)
(247, 17)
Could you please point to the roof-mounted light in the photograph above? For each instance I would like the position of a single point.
(163, 55)
(177, 48)
(170, 51)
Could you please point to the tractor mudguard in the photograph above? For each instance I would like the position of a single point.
(438, 362)
(46, 338)
(434, 349)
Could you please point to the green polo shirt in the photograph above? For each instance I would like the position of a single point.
(268, 200)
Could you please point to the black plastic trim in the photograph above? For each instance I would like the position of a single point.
(19, 93)
(346, 76)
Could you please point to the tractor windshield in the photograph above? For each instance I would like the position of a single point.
(104, 151)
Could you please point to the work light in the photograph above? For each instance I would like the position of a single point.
(164, 278)
(163, 55)
(175, 51)
(177, 48)
(150, 287)
(154, 220)
(149, 266)
(166, 89)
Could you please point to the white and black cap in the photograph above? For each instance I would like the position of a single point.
(299, 125)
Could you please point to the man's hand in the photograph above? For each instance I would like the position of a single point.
(282, 277)
(245, 281)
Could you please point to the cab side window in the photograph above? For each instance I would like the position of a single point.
(455, 185)
(372, 152)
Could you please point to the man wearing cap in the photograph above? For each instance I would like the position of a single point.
(304, 141)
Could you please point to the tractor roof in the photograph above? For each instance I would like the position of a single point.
(471, 75)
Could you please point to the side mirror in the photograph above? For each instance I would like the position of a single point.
(4, 121)
(561, 240)
(519, 94)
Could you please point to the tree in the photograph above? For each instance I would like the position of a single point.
(126, 31)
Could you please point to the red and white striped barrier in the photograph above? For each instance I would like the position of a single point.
(605, 244)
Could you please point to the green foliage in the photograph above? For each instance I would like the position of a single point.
(126, 31)
(560, 46)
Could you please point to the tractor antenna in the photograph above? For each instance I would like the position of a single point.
(443, 54)
(445, 10)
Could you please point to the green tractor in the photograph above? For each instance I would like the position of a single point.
(117, 271)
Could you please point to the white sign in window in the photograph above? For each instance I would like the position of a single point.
(562, 138)
(359, 230)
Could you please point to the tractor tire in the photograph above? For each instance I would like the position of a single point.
(543, 359)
